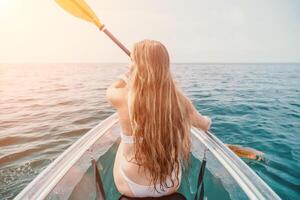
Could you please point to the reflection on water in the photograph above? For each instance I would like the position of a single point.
(45, 108)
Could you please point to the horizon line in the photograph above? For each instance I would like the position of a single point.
(13, 63)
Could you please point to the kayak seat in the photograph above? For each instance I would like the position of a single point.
(174, 196)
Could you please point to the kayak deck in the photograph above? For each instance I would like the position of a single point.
(70, 176)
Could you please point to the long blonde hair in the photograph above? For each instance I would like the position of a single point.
(159, 115)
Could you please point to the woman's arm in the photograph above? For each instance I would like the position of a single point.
(198, 120)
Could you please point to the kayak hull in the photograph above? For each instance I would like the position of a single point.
(70, 176)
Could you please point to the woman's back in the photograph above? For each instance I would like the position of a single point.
(128, 175)
(155, 118)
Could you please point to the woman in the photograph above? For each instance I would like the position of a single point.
(155, 118)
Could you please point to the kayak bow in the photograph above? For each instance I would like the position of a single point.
(70, 175)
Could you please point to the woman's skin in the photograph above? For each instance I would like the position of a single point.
(117, 95)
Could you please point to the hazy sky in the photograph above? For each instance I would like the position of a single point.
(192, 30)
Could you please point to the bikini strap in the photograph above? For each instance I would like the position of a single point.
(127, 139)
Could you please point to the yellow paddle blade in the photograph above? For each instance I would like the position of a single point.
(80, 9)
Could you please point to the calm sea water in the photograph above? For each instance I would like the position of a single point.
(45, 108)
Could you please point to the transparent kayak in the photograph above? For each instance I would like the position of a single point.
(71, 176)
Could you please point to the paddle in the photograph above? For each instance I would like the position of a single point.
(246, 152)
(81, 10)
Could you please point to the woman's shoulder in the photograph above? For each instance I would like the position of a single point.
(116, 93)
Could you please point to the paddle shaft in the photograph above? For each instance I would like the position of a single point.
(115, 40)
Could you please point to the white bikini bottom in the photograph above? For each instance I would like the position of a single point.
(149, 190)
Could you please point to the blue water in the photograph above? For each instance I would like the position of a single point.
(45, 108)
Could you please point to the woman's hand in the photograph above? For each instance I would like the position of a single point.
(208, 122)
(198, 120)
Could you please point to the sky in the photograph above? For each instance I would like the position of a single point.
(39, 31)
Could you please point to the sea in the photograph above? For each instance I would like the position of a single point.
(45, 108)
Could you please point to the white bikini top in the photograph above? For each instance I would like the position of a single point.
(127, 139)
